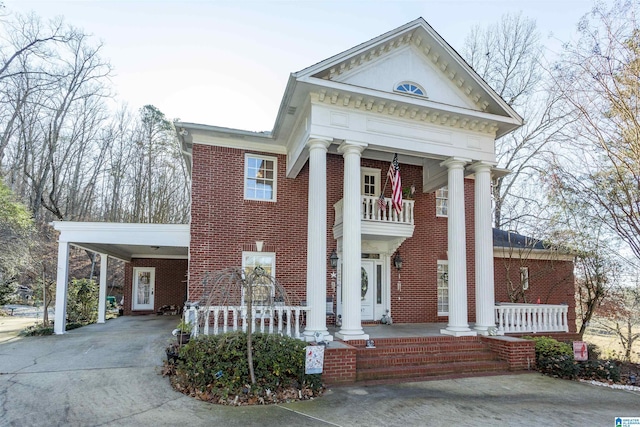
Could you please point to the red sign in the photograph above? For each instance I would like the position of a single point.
(580, 352)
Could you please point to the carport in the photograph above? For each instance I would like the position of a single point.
(126, 242)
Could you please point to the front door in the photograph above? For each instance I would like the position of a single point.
(144, 279)
(367, 290)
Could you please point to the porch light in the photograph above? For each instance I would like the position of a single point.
(397, 261)
(333, 259)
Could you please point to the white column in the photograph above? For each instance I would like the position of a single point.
(317, 240)
(485, 294)
(61, 288)
(457, 251)
(102, 294)
(351, 244)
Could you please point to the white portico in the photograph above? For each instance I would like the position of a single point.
(406, 92)
(446, 120)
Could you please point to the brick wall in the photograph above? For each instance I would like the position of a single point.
(339, 365)
(519, 353)
(550, 282)
(170, 282)
(223, 224)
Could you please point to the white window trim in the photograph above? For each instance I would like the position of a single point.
(275, 176)
(442, 313)
(438, 214)
(524, 278)
(246, 254)
(370, 171)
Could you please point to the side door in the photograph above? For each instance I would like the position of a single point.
(144, 282)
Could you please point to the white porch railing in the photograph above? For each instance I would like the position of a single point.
(371, 211)
(517, 318)
(214, 320)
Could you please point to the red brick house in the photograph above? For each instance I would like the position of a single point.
(292, 198)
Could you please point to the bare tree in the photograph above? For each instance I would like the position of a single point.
(599, 80)
(598, 263)
(621, 314)
(26, 40)
(509, 56)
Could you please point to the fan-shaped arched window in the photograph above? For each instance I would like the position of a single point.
(411, 88)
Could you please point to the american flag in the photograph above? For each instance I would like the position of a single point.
(382, 203)
(396, 185)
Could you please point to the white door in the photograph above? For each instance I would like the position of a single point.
(144, 280)
(367, 290)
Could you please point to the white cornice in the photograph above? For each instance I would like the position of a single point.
(194, 133)
(240, 144)
(393, 105)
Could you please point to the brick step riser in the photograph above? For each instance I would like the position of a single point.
(429, 370)
(424, 360)
(393, 342)
(401, 350)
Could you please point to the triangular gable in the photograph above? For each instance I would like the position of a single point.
(431, 63)
(407, 66)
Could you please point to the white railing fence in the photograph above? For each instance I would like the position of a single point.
(534, 318)
(371, 211)
(214, 320)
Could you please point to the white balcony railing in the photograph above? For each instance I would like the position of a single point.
(214, 320)
(371, 211)
(534, 318)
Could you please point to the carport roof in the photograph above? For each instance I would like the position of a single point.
(127, 241)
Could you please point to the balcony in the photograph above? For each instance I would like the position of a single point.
(379, 224)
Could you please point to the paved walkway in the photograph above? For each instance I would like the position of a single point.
(109, 375)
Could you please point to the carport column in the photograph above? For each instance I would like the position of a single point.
(485, 294)
(102, 296)
(351, 244)
(457, 251)
(61, 288)
(317, 240)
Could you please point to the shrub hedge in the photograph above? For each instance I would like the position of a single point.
(550, 347)
(555, 358)
(217, 365)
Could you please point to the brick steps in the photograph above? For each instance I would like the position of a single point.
(425, 357)
(409, 360)
(409, 349)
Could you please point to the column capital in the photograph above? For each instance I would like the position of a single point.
(481, 166)
(351, 148)
(455, 162)
(318, 143)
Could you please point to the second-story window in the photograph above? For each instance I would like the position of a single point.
(260, 177)
(370, 181)
(442, 201)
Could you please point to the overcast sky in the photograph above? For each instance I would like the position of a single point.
(226, 63)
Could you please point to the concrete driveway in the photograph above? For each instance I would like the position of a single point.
(109, 375)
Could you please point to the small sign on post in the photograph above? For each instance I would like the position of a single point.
(314, 359)
(580, 352)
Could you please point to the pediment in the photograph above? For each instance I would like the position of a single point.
(407, 64)
(416, 53)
